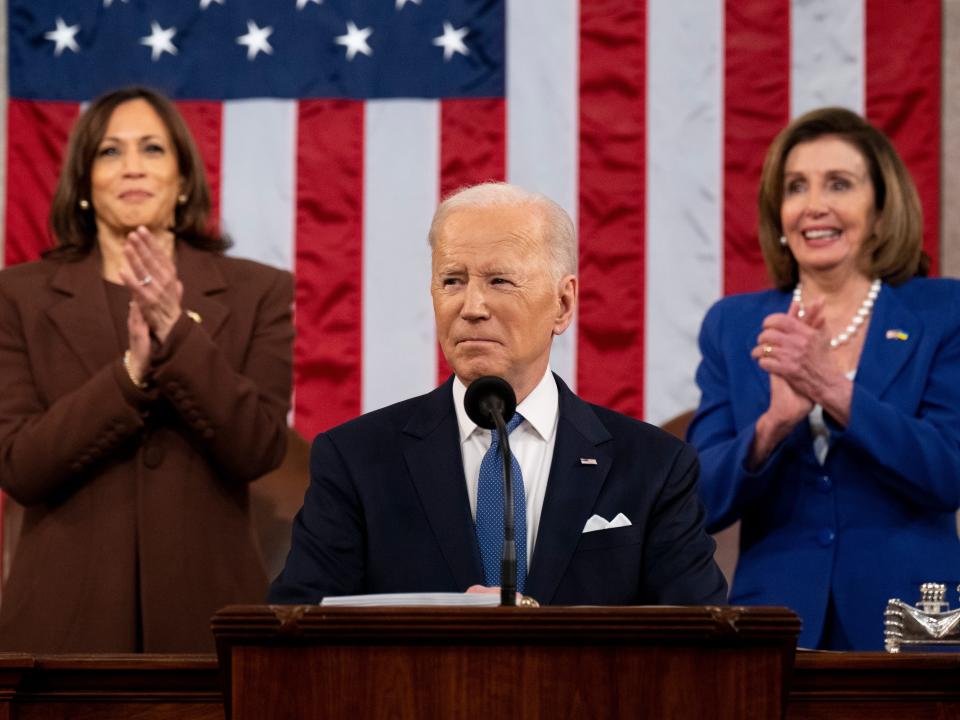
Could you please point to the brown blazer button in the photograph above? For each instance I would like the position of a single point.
(153, 455)
(208, 433)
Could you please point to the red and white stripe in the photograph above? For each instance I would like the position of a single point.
(647, 121)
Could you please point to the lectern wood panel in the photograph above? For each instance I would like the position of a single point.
(109, 687)
(499, 662)
(875, 686)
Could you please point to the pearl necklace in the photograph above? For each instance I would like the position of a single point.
(863, 312)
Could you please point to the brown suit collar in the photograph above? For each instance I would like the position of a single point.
(83, 317)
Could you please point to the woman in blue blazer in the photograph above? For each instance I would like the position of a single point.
(829, 422)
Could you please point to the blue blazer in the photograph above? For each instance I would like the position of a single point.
(878, 518)
(387, 511)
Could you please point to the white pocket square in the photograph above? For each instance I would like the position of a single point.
(598, 523)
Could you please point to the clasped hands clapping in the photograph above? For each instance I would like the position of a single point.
(795, 351)
(156, 294)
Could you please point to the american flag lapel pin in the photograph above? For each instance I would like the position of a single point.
(588, 461)
(897, 334)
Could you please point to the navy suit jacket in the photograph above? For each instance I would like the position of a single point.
(387, 511)
(878, 518)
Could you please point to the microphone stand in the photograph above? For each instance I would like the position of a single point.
(508, 562)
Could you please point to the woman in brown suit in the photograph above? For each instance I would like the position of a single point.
(144, 381)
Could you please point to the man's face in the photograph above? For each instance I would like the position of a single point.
(496, 301)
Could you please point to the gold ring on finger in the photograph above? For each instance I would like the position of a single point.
(767, 350)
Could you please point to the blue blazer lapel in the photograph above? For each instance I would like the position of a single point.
(435, 464)
(572, 490)
(885, 350)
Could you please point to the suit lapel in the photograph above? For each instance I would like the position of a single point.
(572, 491)
(81, 315)
(203, 281)
(886, 350)
(435, 464)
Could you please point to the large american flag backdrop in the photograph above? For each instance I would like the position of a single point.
(331, 128)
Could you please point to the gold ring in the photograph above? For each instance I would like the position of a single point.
(767, 350)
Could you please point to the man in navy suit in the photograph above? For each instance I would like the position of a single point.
(609, 504)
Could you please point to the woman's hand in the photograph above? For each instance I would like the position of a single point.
(783, 334)
(784, 348)
(152, 279)
(799, 352)
(138, 359)
(787, 406)
(795, 352)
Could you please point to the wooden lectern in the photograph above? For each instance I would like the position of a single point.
(550, 662)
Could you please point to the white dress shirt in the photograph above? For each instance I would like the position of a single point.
(531, 444)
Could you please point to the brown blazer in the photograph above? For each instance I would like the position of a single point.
(136, 527)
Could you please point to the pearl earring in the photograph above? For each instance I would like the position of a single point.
(182, 199)
(84, 204)
(783, 240)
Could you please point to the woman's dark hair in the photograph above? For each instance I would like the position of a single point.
(75, 229)
(894, 251)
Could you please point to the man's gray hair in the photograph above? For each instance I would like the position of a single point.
(559, 234)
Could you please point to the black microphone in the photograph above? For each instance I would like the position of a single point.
(490, 402)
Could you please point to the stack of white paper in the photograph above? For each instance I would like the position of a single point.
(414, 599)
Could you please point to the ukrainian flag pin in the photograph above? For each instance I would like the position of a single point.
(897, 335)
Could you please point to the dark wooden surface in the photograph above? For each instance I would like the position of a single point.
(498, 662)
(110, 687)
(875, 686)
(288, 624)
(12, 669)
(838, 686)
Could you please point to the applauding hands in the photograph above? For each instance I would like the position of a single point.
(794, 348)
(151, 276)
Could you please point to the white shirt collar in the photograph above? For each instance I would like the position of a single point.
(540, 408)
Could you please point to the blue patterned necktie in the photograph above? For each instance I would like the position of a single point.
(490, 511)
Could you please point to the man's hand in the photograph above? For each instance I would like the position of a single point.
(485, 590)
